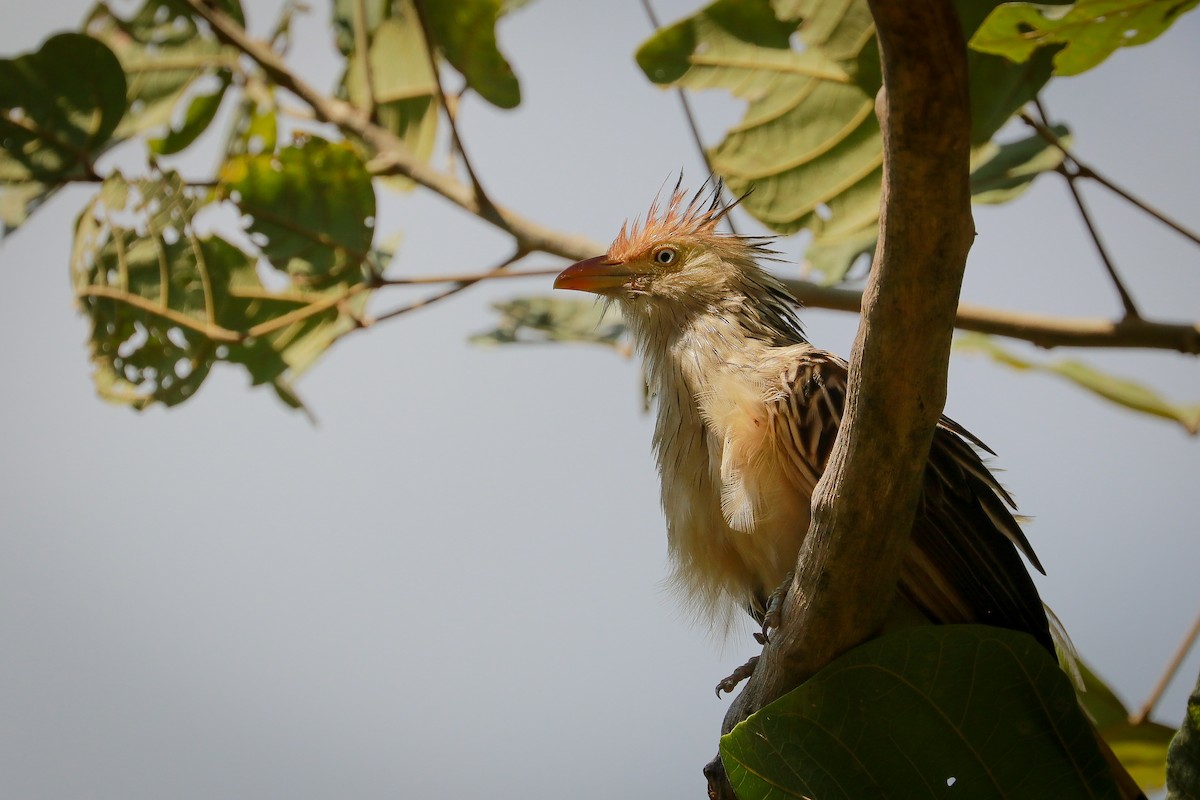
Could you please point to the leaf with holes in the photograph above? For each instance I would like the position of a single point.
(165, 55)
(1087, 33)
(945, 710)
(167, 304)
(1117, 390)
(311, 209)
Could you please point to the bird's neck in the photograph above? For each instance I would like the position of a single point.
(685, 349)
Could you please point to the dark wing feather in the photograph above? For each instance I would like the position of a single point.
(964, 566)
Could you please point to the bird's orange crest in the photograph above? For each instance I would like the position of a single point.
(697, 218)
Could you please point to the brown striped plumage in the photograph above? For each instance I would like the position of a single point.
(747, 411)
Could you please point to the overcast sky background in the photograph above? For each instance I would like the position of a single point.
(451, 587)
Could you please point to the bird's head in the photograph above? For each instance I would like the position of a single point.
(676, 258)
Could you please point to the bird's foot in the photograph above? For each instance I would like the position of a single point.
(773, 616)
(740, 674)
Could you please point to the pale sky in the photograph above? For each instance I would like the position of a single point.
(451, 586)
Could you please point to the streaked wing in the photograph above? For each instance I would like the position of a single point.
(964, 566)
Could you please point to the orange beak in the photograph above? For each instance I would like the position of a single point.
(597, 274)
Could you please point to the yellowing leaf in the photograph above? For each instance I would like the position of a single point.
(1091, 30)
(1115, 389)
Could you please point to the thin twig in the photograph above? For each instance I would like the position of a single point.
(430, 50)
(467, 277)
(1172, 667)
(465, 282)
(690, 116)
(1088, 171)
(1126, 299)
(1069, 170)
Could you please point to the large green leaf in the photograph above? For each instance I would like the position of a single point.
(167, 304)
(1112, 388)
(938, 711)
(311, 207)
(809, 145)
(1088, 32)
(164, 54)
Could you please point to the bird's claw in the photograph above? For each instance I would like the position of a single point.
(737, 676)
(773, 616)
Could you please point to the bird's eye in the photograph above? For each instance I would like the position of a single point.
(665, 256)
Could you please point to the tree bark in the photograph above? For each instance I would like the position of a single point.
(864, 506)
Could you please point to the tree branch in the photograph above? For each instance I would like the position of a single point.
(391, 155)
(864, 505)
(1039, 329)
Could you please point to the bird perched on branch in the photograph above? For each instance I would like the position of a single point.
(747, 413)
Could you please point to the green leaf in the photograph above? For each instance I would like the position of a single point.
(164, 54)
(809, 145)
(199, 115)
(1090, 31)
(1141, 749)
(535, 320)
(465, 32)
(1183, 757)
(58, 108)
(311, 207)
(167, 304)
(1003, 172)
(950, 710)
(1114, 389)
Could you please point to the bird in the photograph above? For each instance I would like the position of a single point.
(746, 413)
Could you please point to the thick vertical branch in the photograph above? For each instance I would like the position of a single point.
(864, 506)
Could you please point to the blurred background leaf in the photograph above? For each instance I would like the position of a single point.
(1117, 390)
